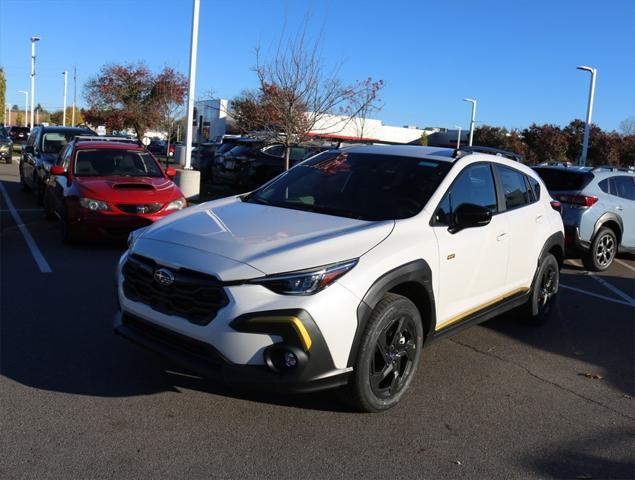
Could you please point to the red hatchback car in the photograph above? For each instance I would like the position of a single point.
(102, 187)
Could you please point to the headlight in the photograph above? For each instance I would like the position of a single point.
(134, 235)
(94, 205)
(4, 148)
(305, 282)
(179, 204)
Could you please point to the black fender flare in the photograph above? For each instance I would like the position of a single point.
(417, 272)
(555, 240)
(608, 217)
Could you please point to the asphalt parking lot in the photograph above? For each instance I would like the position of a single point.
(501, 400)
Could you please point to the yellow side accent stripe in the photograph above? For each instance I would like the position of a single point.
(461, 316)
(297, 324)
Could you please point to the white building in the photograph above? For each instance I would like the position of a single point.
(211, 121)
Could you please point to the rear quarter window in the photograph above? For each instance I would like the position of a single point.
(560, 179)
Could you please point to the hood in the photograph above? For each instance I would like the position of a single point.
(270, 239)
(129, 189)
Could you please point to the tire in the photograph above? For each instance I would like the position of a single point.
(602, 252)
(23, 185)
(380, 380)
(65, 230)
(544, 294)
(48, 211)
(9, 161)
(38, 188)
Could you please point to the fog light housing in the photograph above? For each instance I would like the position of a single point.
(283, 358)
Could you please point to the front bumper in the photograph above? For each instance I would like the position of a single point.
(116, 226)
(5, 154)
(315, 372)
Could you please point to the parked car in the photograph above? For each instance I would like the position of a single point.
(598, 209)
(19, 134)
(6, 146)
(338, 272)
(160, 147)
(248, 166)
(106, 187)
(41, 152)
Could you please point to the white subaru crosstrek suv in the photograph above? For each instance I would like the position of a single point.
(337, 272)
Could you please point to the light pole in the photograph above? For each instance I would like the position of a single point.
(33, 40)
(589, 113)
(191, 91)
(458, 138)
(74, 94)
(473, 121)
(65, 73)
(9, 109)
(26, 106)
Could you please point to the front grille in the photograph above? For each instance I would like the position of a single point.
(139, 208)
(195, 296)
(173, 339)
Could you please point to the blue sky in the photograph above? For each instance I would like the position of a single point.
(516, 57)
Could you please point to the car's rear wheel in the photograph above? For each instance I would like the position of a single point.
(23, 185)
(602, 251)
(544, 294)
(38, 188)
(388, 355)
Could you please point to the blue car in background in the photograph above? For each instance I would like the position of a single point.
(598, 210)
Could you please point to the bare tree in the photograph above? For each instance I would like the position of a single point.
(627, 126)
(364, 101)
(297, 95)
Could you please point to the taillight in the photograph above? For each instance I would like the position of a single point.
(556, 205)
(582, 200)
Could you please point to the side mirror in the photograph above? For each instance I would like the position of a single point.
(29, 149)
(170, 172)
(57, 170)
(468, 215)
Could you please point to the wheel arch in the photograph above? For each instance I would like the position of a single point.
(612, 221)
(412, 280)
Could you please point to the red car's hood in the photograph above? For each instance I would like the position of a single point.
(129, 189)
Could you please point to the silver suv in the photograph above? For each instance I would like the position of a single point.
(598, 210)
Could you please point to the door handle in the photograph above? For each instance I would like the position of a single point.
(619, 207)
(501, 237)
(539, 219)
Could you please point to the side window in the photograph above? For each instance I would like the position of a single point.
(604, 186)
(31, 140)
(535, 186)
(515, 189)
(475, 185)
(624, 187)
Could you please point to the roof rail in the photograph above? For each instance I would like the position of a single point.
(460, 152)
(96, 138)
(611, 168)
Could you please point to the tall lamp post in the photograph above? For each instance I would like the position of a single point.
(473, 121)
(458, 137)
(65, 73)
(26, 106)
(33, 40)
(589, 113)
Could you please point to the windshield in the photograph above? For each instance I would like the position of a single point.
(53, 142)
(115, 162)
(356, 185)
(557, 179)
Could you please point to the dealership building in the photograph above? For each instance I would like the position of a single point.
(211, 121)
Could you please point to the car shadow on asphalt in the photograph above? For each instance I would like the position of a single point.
(587, 329)
(579, 458)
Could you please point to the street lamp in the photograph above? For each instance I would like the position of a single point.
(33, 40)
(458, 137)
(589, 113)
(65, 73)
(9, 109)
(473, 121)
(26, 106)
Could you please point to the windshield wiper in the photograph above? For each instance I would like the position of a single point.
(253, 199)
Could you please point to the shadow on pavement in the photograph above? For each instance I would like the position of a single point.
(574, 459)
(587, 329)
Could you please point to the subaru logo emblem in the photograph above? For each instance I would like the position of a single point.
(163, 277)
(142, 209)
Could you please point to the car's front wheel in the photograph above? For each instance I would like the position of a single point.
(602, 251)
(388, 355)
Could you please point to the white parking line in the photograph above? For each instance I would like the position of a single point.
(624, 264)
(35, 251)
(608, 299)
(612, 288)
